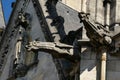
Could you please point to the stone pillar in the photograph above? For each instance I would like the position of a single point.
(106, 5)
(99, 14)
(103, 66)
(117, 16)
(83, 5)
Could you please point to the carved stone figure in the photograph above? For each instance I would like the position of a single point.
(59, 50)
(95, 32)
(44, 40)
(23, 19)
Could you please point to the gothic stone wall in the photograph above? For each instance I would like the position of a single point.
(94, 7)
(45, 70)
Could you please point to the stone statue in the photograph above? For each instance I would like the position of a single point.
(95, 31)
(23, 19)
(58, 50)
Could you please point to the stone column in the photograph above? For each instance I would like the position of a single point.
(103, 66)
(83, 5)
(106, 5)
(75, 4)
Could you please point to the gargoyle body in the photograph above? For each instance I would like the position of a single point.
(96, 32)
(56, 47)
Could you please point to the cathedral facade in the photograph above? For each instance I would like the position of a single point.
(61, 40)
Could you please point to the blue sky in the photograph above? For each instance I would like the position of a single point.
(7, 8)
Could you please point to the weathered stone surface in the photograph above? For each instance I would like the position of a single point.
(2, 23)
(68, 11)
(88, 74)
(88, 65)
(45, 66)
(76, 4)
(88, 6)
(117, 18)
(113, 75)
(71, 20)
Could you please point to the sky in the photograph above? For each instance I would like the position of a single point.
(7, 8)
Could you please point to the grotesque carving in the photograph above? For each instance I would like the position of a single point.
(20, 68)
(23, 19)
(96, 32)
(58, 50)
(51, 46)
